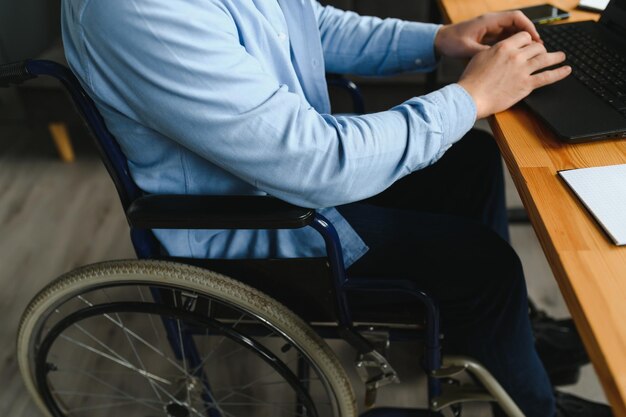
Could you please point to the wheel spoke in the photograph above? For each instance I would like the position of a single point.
(116, 360)
(138, 338)
(208, 356)
(157, 335)
(101, 381)
(184, 357)
(257, 402)
(236, 387)
(112, 397)
(177, 401)
(240, 348)
(143, 367)
(99, 342)
(248, 385)
(132, 346)
(99, 406)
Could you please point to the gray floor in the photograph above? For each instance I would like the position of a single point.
(54, 217)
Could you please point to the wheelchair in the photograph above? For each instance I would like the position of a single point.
(178, 337)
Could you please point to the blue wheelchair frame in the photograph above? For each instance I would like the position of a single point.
(145, 212)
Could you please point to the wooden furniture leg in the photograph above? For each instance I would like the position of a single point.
(62, 140)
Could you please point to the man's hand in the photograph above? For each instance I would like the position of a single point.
(466, 39)
(502, 75)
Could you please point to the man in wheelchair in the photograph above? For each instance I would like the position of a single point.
(225, 97)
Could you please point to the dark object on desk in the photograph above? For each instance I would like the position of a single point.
(590, 104)
(544, 13)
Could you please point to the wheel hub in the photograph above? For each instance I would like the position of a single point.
(176, 410)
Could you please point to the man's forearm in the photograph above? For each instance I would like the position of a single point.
(371, 46)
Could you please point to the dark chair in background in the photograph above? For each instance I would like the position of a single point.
(31, 28)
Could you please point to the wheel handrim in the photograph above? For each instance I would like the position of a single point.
(61, 403)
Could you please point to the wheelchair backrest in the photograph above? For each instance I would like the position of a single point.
(108, 148)
(271, 275)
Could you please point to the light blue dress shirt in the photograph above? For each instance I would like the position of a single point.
(229, 97)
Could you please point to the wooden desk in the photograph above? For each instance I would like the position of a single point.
(590, 270)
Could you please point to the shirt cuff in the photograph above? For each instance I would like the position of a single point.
(416, 46)
(457, 110)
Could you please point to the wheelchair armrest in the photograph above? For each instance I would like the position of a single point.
(215, 212)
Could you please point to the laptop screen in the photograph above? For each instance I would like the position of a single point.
(614, 16)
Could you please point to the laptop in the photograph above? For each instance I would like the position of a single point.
(590, 104)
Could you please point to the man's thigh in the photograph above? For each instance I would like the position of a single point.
(425, 247)
(464, 265)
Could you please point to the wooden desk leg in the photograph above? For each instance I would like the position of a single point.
(61, 138)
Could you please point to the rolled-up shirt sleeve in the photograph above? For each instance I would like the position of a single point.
(183, 72)
(368, 45)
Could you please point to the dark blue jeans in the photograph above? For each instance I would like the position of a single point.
(445, 228)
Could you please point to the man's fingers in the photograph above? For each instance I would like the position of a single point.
(474, 47)
(523, 23)
(519, 40)
(546, 60)
(532, 50)
(507, 23)
(551, 76)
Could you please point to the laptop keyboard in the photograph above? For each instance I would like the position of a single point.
(593, 63)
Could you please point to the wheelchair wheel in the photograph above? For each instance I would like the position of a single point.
(149, 338)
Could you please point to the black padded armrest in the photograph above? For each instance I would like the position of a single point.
(215, 212)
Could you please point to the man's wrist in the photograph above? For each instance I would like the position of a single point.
(471, 92)
(439, 40)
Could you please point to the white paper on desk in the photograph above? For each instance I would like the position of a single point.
(597, 5)
(603, 191)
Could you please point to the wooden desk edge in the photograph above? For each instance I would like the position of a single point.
(602, 366)
(613, 383)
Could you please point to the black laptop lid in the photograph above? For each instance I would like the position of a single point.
(575, 112)
(614, 17)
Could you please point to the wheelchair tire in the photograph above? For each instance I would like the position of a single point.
(72, 319)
